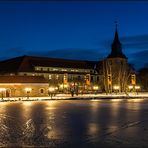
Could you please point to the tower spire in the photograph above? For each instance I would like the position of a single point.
(116, 45)
(116, 37)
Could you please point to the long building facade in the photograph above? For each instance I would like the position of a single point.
(66, 76)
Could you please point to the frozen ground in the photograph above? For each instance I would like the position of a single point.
(75, 123)
(80, 96)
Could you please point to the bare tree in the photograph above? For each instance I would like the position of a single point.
(119, 71)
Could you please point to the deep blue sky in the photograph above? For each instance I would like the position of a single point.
(73, 30)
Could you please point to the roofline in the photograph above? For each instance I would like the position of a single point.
(65, 59)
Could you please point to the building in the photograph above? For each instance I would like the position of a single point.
(66, 75)
(26, 86)
(109, 75)
(116, 70)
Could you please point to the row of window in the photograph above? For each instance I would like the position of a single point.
(60, 69)
(70, 77)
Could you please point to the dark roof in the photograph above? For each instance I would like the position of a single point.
(26, 64)
(117, 55)
(22, 79)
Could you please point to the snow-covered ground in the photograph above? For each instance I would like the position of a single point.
(80, 96)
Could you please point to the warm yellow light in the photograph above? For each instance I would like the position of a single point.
(27, 103)
(96, 100)
(56, 88)
(2, 89)
(116, 87)
(65, 85)
(61, 86)
(130, 87)
(95, 87)
(137, 87)
(116, 100)
(28, 89)
(51, 89)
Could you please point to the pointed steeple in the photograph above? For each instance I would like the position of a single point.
(116, 46)
(116, 37)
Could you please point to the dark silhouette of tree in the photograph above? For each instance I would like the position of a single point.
(143, 78)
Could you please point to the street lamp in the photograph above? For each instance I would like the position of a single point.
(95, 88)
(137, 88)
(2, 90)
(116, 88)
(130, 87)
(51, 90)
(28, 90)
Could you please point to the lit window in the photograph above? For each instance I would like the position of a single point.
(57, 76)
(49, 77)
(37, 68)
(63, 69)
(45, 69)
(55, 69)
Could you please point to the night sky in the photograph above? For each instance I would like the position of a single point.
(73, 30)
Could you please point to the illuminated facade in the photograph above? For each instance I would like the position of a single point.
(75, 75)
(62, 74)
(26, 86)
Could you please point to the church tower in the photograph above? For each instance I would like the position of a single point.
(115, 67)
(116, 51)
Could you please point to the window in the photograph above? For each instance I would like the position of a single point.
(63, 69)
(45, 69)
(49, 77)
(54, 69)
(37, 68)
(57, 76)
(41, 90)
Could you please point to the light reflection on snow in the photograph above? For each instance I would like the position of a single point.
(28, 103)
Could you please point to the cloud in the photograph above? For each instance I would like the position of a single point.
(139, 58)
(137, 42)
(137, 38)
(137, 49)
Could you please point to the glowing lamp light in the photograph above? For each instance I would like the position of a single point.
(51, 89)
(28, 89)
(56, 88)
(65, 85)
(2, 89)
(95, 87)
(116, 87)
(130, 87)
(61, 86)
(137, 87)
